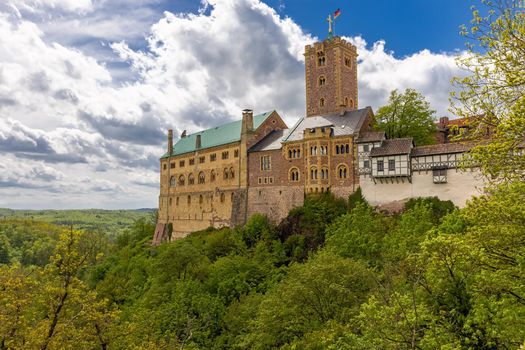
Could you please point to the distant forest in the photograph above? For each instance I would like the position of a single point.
(109, 221)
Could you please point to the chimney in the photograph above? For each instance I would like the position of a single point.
(170, 141)
(198, 142)
(247, 121)
(183, 135)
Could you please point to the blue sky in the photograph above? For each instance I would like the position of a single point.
(407, 26)
(88, 88)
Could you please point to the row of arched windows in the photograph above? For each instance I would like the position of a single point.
(228, 173)
(342, 149)
(323, 150)
(342, 173)
(294, 153)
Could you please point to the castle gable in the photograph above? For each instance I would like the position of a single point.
(348, 123)
(271, 142)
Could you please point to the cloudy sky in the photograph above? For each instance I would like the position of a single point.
(88, 88)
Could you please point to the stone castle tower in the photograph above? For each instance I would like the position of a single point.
(331, 77)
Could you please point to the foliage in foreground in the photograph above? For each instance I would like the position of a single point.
(431, 277)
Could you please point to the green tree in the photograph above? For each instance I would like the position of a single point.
(407, 114)
(325, 288)
(492, 94)
(358, 235)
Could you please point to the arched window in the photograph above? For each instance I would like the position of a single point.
(290, 154)
(173, 181)
(225, 173)
(202, 177)
(322, 80)
(170, 202)
(201, 199)
(342, 172)
(232, 173)
(182, 180)
(189, 199)
(346, 102)
(294, 174)
(347, 148)
(313, 150)
(313, 173)
(191, 179)
(298, 153)
(324, 174)
(351, 103)
(222, 197)
(321, 59)
(177, 201)
(231, 197)
(337, 149)
(321, 102)
(212, 176)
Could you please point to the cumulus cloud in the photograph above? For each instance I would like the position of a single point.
(88, 130)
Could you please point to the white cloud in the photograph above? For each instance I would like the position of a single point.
(87, 134)
(80, 6)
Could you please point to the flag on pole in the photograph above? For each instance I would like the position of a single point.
(337, 13)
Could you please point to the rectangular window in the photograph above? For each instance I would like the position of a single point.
(192, 161)
(367, 164)
(172, 165)
(271, 180)
(380, 165)
(366, 148)
(439, 176)
(266, 163)
(213, 157)
(202, 160)
(391, 165)
(260, 180)
(181, 163)
(236, 153)
(225, 155)
(164, 166)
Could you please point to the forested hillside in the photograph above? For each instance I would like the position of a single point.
(110, 221)
(333, 275)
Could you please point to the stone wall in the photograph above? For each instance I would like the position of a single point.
(459, 188)
(274, 201)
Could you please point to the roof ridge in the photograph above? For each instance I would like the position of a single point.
(268, 113)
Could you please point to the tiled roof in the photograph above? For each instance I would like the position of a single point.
(220, 135)
(392, 147)
(272, 141)
(371, 136)
(443, 148)
(346, 124)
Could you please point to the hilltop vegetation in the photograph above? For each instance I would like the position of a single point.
(334, 275)
(114, 221)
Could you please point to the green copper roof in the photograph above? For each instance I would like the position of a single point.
(220, 135)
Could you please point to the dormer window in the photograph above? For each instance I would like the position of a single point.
(321, 59)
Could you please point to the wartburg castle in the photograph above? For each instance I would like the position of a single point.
(258, 164)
